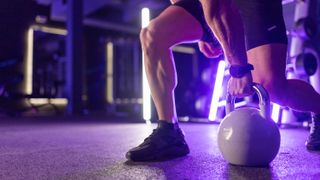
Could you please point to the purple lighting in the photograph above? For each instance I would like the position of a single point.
(217, 91)
(275, 112)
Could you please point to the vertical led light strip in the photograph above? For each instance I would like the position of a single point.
(146, 98)
(109, 70)
(29, 58)
(217, 90)
(275, 112)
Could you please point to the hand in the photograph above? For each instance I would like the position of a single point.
(209, 50)
(240, 87)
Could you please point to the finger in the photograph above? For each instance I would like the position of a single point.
(206, 51)
(231, 88)
(215, 52)
(214, 49)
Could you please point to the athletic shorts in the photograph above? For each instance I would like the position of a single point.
(194, 7)
(263, 22)
(262, 19)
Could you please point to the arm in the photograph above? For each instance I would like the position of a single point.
(224, 20)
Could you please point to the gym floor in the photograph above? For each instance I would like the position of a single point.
(90, 149)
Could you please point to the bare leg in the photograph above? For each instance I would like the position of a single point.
(269, 62)
(173, 26)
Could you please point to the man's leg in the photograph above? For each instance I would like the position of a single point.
(269, 62)
(266, 40)
(173, 26)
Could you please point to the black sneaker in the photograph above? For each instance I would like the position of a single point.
(313, 142)
(162, 144)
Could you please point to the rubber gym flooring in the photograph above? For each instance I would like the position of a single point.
(91, 149)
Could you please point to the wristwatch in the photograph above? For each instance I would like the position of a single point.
(238, 71)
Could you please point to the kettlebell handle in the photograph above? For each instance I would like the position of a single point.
(264, 101)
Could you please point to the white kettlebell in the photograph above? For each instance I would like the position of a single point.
(248, 136)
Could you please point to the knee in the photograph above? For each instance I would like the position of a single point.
(151, 38)
(277, 91)
(154, 46)
(146, 37)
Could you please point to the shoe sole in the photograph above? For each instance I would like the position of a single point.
(168, 154)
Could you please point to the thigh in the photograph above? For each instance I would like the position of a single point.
(194, 7)
(269, 63)
(175, 25)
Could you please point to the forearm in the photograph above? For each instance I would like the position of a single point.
(225, 21)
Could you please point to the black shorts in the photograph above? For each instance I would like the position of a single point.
(263, 22)
(194, 7)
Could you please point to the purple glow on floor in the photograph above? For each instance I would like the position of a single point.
(96, 150)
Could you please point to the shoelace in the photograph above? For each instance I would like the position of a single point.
(151, 136)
